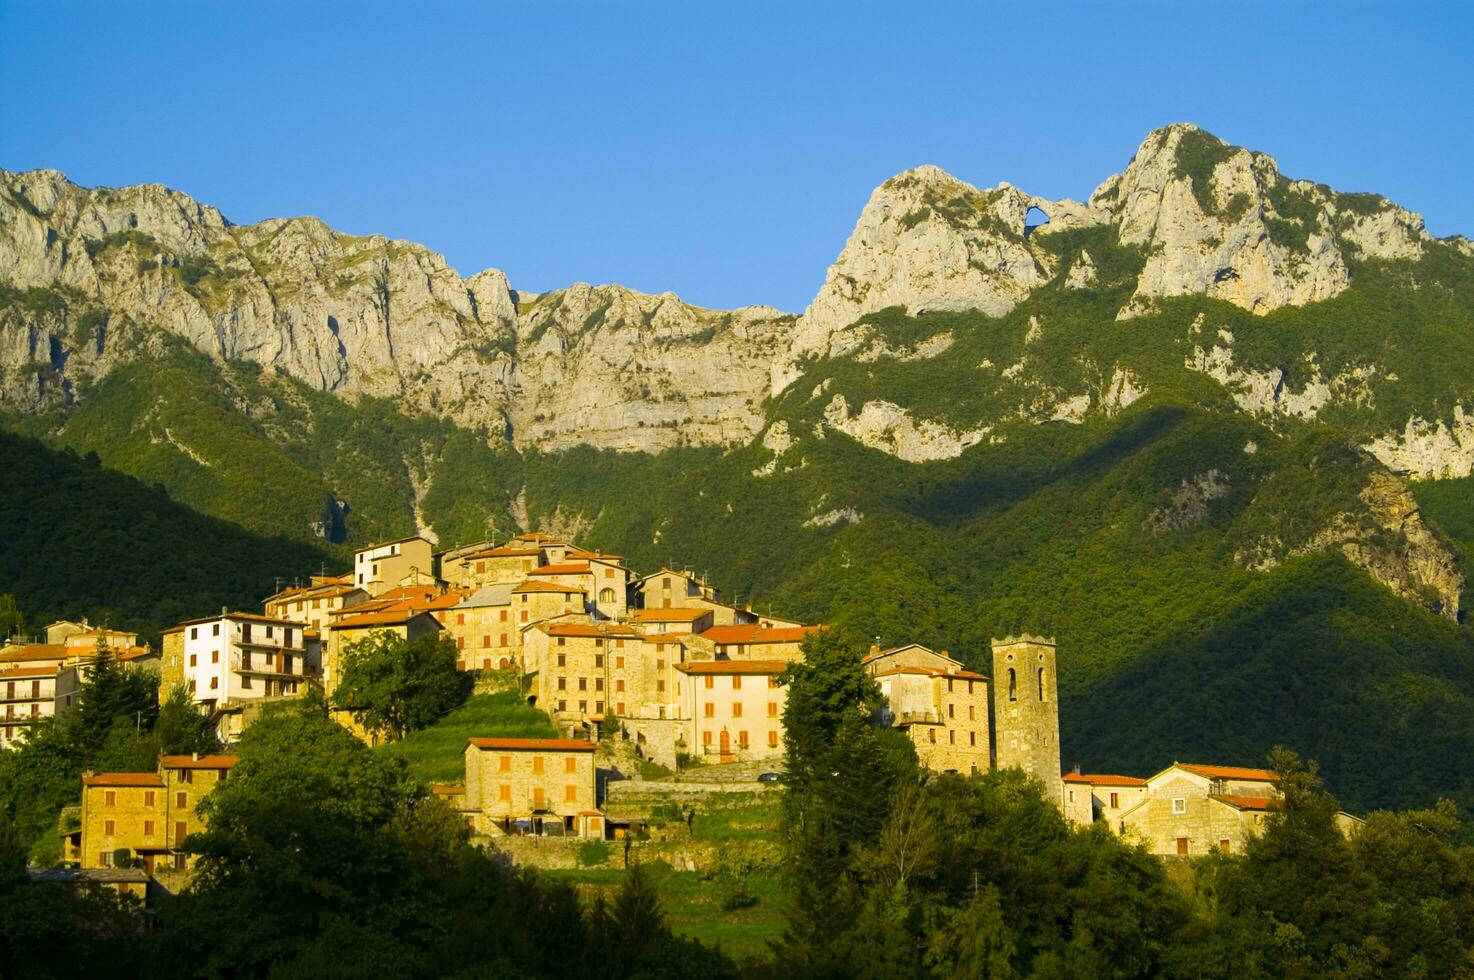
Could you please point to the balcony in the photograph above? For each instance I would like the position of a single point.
(267, 665)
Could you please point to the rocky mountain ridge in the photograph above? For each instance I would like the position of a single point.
(613, 368)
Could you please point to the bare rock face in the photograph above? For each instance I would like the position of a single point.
(629, 371)
(928, 241)
(890, 428)
(352, 315)
(1429, 450)
(1222, 221)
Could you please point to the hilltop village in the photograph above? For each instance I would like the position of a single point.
(655, 661)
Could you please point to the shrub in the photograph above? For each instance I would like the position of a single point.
(592, 853)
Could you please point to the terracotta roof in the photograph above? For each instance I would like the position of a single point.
(756, 633)
(18, 672)
(36, 651)
(567, 568)
(203, 762)
(253, 617)
(137, 653)
(1245, 802)
(533, 744)
(602, 556)
(147, 779)
(965, 675)
(503, 552)
(425, 592)
(1230, 772)
(1103, 779)
(725, 667)
(590, 629)
(669, 615)
(389, 617)
(546, 587)
(382, 544)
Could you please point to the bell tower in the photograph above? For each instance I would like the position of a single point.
(1026, 710)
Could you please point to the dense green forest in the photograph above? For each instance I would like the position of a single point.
(324, 857)
(84, 540)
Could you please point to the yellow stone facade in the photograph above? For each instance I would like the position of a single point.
(524, 784)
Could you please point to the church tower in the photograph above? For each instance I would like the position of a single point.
(1026, 711)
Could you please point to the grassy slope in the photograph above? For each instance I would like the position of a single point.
(437, 754)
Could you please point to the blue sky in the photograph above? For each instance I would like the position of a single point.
(719, 150)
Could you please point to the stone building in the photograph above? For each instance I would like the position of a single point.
(315, 604)
(749, 641)
(1101, 796)
(481, 625)
(147, 814)
(940, 705)
(1025, 710)
(237, 658)
(28, 695)
(733, 708)
(404, 561)
(532, 785)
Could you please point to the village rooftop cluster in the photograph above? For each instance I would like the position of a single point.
(684, 676)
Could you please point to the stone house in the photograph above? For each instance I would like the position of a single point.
(940, 705)
(733, 709)
(1189, 810)
(384, 566)
(1101, 796)
(749, 641)
(236, 658)
(485, 635)
(316, 604)
(532, 785)
(148, 814)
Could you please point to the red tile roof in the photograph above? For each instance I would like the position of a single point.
(503, 552)
(966, 675)
(1246, 802)
(389, 617)
(16, 673)
(669, 615)
(36, 651)
(533, 744)
(546, 587)
(725, 667)
(756, 633)
(203, 762)
(590, 629)
(567, 568)
(1230, 772)
(1104, 779)
(146, 779)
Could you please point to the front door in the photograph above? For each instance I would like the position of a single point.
(726, 745)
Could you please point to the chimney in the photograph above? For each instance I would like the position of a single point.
(1076, 769)
(874, 649)
(196, 757)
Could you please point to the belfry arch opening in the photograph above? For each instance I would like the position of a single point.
(1034, 218)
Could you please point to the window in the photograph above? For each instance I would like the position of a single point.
(949, 685)
(105, 859)
(598, 683)
(504, 639)
(148, 798)
(181, 801)
(504, 764)
(562, 705)
(214, 656)
(660, 686)
(972, 739)
(583, 707)
(214, 683)
(245, 632)
(148, 828)
(1225, 846)
(538, 800)
(598, 707)
(1012, 685)
(737, 710)
(772, 709)
(951, 711)
(181, 831)
(109, 827)
(772, 739)
(460, 619)
(110, 798)
(562, 683)
(562, 642)
(245, 660)
(583, 683)
(618, 662)
(504, 616)
(1182, 846)
(619, 684)
(599, 660)
(606, 595)
(194, 659)
(971, 712)
(706, 738)
(537, 764)
(486, 640)
(742, 740)
(215, 629)
(570, 793)
(570, 764)
(951, 737)
(1179, 804)
(772, 680)
(1041, 684)
(524, 615)
(710, 682)
(619, 709)
(194, 632)
(736, 682)
(269, 631)
(186, 776)
(711, 710)
(562, 660)
(659, 664)
(931, 734)
(460, 643)
(1115, 800)
(504, 793)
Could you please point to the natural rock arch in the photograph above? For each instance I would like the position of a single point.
(1034, 218)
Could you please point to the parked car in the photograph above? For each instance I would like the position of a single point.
(768, 777)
